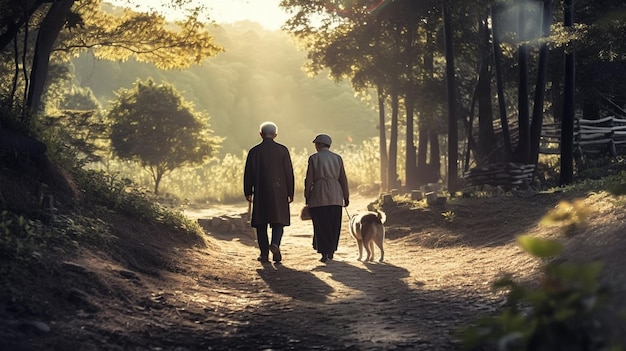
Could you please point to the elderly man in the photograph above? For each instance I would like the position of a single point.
(268, 183)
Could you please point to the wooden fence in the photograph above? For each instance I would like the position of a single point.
(599, 136)
(605, 136)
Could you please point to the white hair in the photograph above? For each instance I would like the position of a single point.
(269, 129)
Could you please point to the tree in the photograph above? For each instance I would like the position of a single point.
(154, 125)
(569, 87)
(451, 84)
(540, 86)
(66, 27)
(353, 42)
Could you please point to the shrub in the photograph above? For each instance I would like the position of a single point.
(563, 312)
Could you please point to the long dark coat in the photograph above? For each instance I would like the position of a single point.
(268, 176)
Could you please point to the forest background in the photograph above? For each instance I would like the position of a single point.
(258, 77)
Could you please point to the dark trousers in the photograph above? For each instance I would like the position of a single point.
(326, 228)
(263, 240)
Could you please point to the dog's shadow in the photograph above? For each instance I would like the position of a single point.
(366, 277)
(299, 285)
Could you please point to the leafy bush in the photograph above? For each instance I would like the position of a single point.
(561, 313)
(23, 239)
(19, 237)
(121, 195)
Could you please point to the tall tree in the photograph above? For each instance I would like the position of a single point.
(453, 139)
(522, 152)
(154, 125)
(66, 27)
(354, 41)
(486, 134)
(540, 87)
(497, 57)
(569, 87)
(47, 35)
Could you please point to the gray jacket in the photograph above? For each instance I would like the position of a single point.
(326, 182)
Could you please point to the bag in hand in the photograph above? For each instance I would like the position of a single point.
(305, 214)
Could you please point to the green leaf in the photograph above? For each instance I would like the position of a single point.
(538, 247)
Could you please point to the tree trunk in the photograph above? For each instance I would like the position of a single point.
(567, 124)
(410, 163)
(409, 102)
(522, 153)
(392, 171)
(48, 33)
(422, 148)
(428, 169)
(471, 145)
(384, 164)
(435, 156)
(497, 56)
(453, 137)
(540, 87)
(486, 134)
(12, 29)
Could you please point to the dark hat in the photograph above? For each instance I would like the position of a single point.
(323, 138)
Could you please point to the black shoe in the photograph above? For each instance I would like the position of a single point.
(324, 258)
(276, 252)
(263, 259)
(330, 256)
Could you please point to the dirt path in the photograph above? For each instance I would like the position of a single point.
(149, 289)
(415, 300)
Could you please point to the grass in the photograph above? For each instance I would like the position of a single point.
(221, 180)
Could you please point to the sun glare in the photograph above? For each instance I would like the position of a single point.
(265, 12)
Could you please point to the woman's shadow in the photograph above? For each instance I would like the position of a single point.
(368, 278)
(299, 285)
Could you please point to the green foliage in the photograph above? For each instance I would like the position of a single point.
(154, 125)
(449, 216)
(220, 180)
(23, 239)
(560, 313)
(542, 248)
(240, 90)
(568, 215)
(18, 237)
(113, 194)
(146, 37)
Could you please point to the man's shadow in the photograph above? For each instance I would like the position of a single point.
(299, 285)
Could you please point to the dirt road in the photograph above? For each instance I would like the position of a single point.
(152, 289)
(416, 300)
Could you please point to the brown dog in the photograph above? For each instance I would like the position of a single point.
(368, 229)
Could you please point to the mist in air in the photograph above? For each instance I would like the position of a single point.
(258, 78)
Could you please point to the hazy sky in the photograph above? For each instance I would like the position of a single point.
(265, 12)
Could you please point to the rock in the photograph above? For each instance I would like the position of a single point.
(36, 326)
(74, 267)
(223, 223)
(205, 223)
(417, 195)
(77, 295)
(128, 274)
(431, 198)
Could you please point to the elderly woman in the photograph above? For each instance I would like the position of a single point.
(325, 192)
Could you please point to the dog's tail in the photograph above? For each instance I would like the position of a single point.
(382, 216)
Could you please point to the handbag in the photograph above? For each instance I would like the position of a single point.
(305, 214)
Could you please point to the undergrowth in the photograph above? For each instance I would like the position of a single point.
(565, 310)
